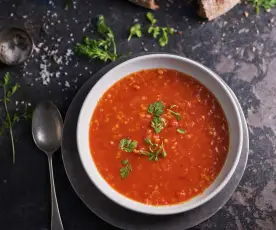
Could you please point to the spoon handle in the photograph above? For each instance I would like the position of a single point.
(56, 223)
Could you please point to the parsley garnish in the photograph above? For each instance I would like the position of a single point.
(10, 120)
(182, 131)
(124, 171)
(157, 124)
(267, 4)
(154, 150)
(177, 115)
(135, 30)
(155, 30)
(156, 108)
(165, 39)
(128, 145)
(103, 49)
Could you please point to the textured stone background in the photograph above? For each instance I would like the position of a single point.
(241, 50)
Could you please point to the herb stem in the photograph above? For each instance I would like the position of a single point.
(9, 123)
(114, 47)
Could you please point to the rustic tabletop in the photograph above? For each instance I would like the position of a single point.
(242, 50)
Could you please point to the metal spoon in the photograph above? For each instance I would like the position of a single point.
(47, 128)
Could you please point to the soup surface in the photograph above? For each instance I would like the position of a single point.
(159, 137)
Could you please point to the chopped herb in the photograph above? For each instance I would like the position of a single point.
(135, 30)
(128, 145)
(177, 115)
(151, 18)
(153, 29)
(266, 4)
(182, 131)
(154, 150)
(173, 106)
(156, 108)
(148, 141)
(164, 153)
(102, 49)
(164, 40)
(157, 124)
(125, 170)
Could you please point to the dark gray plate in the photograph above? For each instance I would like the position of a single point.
(116, 215)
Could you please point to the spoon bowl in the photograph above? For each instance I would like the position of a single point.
(47, 127)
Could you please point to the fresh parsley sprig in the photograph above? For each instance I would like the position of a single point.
(103, 49)
(164, 40)
(155, 30)
(135, 30)
(157, 124)
(8, 121)
(128, 145)
(126, 169)
(156, 109)
(154, 150)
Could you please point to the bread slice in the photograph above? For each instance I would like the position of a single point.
(212, 9)
(146, 3)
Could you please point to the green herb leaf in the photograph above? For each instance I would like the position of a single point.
(154, 150)
(157, 124)
(103, 49)
(7, 78)
(148, 141)
(124, 171)
(135, 30)
(156, 108)
(154, 30)
(164, 153)
(151, 18)
(164, 40)
(266, 4)
(177, 115)
(102, 27)
(182, 131)
(12, 90)
(128, 145)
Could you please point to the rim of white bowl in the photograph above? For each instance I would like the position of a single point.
(135, 205)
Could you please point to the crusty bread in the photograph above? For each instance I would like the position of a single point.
(146, 3)
(211, 9)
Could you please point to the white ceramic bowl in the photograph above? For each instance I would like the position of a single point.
(194, 69)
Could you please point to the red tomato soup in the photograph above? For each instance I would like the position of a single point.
(159, 137)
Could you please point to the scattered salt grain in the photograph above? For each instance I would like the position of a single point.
(67, 84)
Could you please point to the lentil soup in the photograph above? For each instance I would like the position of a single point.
(159, 137)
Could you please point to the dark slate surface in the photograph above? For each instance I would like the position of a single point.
(242, 50)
